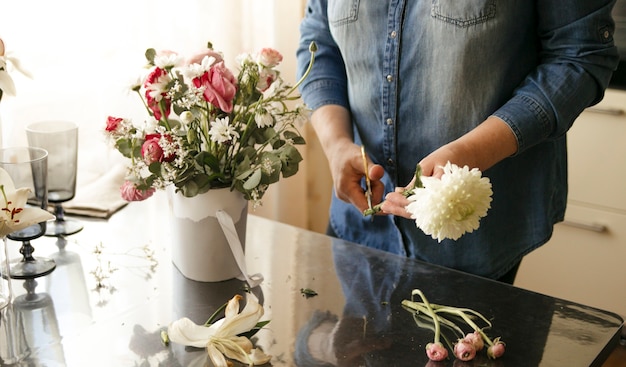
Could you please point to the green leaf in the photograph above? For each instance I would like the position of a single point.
(155, 168)
(290, 157)
(126, 147)
(253, 181)
(207, 159)
(150, 55)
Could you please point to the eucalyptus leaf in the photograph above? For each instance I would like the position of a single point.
(253, 181)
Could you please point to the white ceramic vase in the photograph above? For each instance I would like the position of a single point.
(202, 248)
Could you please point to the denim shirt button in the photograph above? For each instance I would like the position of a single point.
(393, 34)
(389, 122)
(390, 162)
(390, 78)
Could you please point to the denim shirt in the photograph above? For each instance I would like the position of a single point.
(417, 74)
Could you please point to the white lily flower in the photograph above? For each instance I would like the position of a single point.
(6, 82)
(221, 338)
(15, 215)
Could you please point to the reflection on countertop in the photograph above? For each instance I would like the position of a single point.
(115, 286)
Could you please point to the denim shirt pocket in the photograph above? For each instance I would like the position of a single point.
(463, 13)
(342, 12)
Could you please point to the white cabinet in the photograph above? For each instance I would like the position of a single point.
(585, 261)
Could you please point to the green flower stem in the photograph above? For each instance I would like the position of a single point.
(417, 183)
(425, 307)
(419, 307)
(429, 312)
(312, 50)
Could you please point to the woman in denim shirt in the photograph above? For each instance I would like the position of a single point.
(490, 84)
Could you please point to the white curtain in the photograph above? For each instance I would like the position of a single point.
(84, 54)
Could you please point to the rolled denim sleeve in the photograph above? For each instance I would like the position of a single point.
(327, 81)
(577, 59)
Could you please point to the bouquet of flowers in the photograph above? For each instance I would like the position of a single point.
(209, 128)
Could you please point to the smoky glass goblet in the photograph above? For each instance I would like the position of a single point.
(60, 139)
(28, 168)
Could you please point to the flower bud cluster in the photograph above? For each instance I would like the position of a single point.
(433, 316)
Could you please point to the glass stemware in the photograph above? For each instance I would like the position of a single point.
(28, 167)
(60, 139)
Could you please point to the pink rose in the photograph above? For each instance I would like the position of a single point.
(269, 58)
(130, 192)
(464, 350)
(154, 103)
(152, 152)
(113, 123)
(220, 86)
(198, 57)
(436, 351)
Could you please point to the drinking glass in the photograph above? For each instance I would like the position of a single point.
(60, 139)
(28, 167)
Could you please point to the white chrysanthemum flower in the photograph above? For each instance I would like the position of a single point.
(221, 131)
(453, 205)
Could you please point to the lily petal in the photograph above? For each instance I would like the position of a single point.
(234, 348)
(186, 332)
(17, 64)
(216, 356)
(232, 307)
(241, 322)
(6, 83)
(258, 357)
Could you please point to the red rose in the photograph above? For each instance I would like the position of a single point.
(220, 86)
(152, 152)
(113, 123)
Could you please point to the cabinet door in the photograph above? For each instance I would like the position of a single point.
(584, 262)
(597, 154)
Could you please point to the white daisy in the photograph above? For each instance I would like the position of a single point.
(221, 131)
(453, 205)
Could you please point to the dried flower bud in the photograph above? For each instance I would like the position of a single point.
(476, 339)
(464, 350)
(496, 350)
(436, 351)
